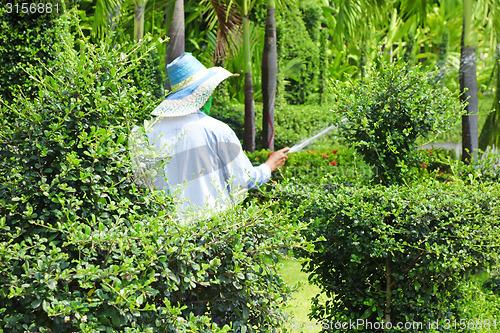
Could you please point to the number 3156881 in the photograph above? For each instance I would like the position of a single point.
(32, 8)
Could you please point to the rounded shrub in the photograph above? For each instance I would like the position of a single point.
(388, 110)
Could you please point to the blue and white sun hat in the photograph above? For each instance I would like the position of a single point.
(192, 84)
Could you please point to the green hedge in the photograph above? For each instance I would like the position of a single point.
(83, 248)
(395, 253)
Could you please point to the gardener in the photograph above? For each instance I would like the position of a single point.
(207, 167)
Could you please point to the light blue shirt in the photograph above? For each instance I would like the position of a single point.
(206, 162)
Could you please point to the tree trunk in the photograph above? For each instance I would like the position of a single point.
(490, 134)
(468, 85)
(388, 289)
(174, 22)
(140, 6)
(249, 136)
(269, 77)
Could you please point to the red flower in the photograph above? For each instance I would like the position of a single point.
(325, 155)
(333, 163)
(335, 151)
(257, 158)
(424, 165)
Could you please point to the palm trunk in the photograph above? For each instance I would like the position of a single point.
(175, 32)
(269, 77)
(468, 85)
(249, 136)
(490, 134)
(140, 6)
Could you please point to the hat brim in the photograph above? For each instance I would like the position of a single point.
(191, 98)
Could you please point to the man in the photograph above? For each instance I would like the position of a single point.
(206, 165)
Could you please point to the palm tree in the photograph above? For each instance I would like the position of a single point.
(468, 85)
(249, 136)
(269, 77)
(139, 10)
(174, 21)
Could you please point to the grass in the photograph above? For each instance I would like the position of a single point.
(300, 304)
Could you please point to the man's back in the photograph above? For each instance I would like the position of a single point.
(207, 160)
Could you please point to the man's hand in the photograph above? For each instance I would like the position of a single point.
(277, 159)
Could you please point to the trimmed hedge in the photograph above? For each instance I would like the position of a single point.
(397, 253)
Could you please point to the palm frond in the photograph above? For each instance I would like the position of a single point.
(106, 15)
(229, 24)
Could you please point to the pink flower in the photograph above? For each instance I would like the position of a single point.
(325, 155)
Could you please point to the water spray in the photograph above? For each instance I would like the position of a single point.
(301, 145)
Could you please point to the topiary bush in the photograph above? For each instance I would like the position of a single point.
(388, 110)
(395, 254)
(83, 248)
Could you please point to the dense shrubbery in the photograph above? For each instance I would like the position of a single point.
(396, 253)
(25, 39)
(85, 249)
(391, 252)
(299, 58)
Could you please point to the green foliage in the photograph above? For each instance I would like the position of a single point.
(147, 75)
(83, 248)
(298, 55)
(395, 253)
(482, 301)
(292, 124)
(336, 165)
(25, 39)
(388, 110)
(228, 113)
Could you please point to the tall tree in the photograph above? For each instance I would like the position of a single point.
(249, 134)
(269, 76)
(139, 10)
(468, 85)
(174, 21)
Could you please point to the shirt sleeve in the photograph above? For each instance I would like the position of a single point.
(241, 172)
